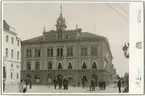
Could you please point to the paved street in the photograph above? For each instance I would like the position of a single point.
(50, 89)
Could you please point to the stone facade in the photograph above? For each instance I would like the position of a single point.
(70, 53)
(11, 54)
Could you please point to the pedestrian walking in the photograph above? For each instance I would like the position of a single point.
(55, 82)
(21, 86)
(92, 85)
(25, 87)
(119, 84)
(66, 84)
(30, 82)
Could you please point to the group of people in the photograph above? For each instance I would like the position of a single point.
(61, 82)
(23, 86)
(102, 85)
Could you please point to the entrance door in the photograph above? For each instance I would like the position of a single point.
(49, 79)
(96, 79)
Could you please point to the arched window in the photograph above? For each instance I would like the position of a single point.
(59, 66)
(94, 66)
(37, 65)
(49, 65)
(84, 65)
(28, 66)
(69, 65)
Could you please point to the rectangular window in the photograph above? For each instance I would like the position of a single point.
(17, 55)
(6, 52)
(39, 52)
(70, 51)
(17, 66)
(12, 53)
(84, 51)
(17, 75)
(49, 66)
(7, 38)
(28, 66)
(36, 52)
(94, 50)
(12, 40)
(37, 66)
(49, 52)
(11, 75)
(17, 42)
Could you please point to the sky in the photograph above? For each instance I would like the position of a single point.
(29, 20)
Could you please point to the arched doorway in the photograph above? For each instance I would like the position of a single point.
(37, 79)
(70, 79)
(49, 79)
(84, 81)
(96, 79)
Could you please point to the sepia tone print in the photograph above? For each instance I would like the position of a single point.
(65, 60)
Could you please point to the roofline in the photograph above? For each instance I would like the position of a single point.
(76, 40)
(107, 44)
(10, 31)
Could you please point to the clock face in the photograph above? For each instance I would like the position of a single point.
(59, 21)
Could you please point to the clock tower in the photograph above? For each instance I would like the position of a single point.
(60, 24)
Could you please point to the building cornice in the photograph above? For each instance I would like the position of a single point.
(11, 32)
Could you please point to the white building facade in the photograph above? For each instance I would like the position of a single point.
(11, 54)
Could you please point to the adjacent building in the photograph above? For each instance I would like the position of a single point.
(11, 54)
(79, 56)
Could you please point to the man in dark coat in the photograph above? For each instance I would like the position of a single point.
(55, 82)
(64, 83)
(60, 82)
(30, 82)
(92, 86)
(119, 85)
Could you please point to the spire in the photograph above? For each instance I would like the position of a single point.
(61, 9)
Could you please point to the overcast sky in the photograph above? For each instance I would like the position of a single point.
(29, 19)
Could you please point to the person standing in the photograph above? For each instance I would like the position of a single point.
(21, 86)
(92, 86)
(66, 84)
(30, 82)
(60, 82)
(55, 82)
(119, 84)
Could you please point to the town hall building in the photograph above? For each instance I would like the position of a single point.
(73, 54)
